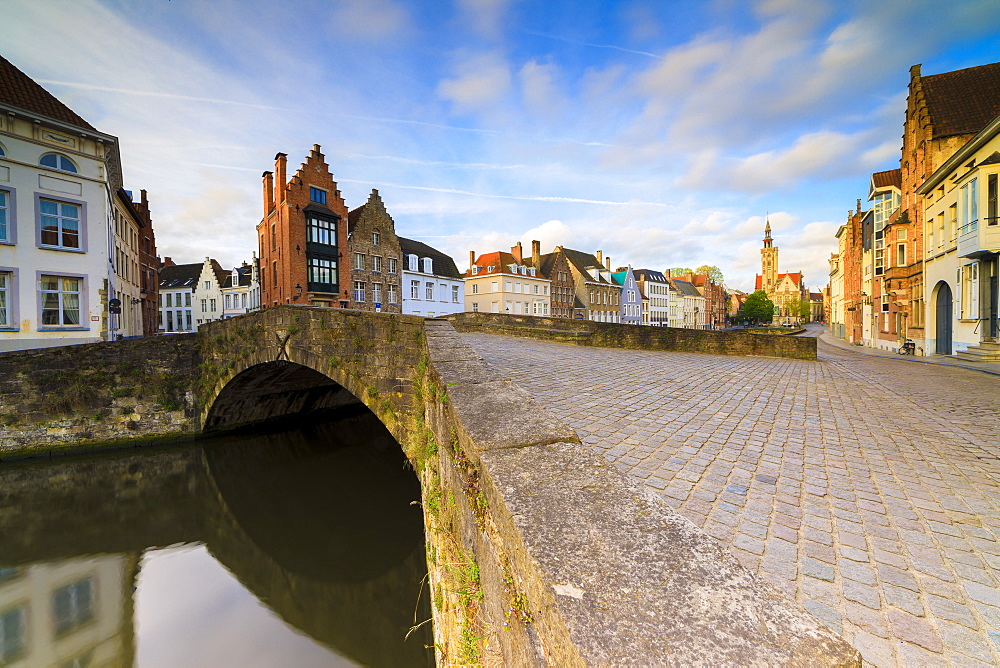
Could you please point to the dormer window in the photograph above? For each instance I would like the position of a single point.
(513, 268)
(475, 269)
(58, 161)
(428, 265)
(531, 271)
(491, 268)
(411, 262)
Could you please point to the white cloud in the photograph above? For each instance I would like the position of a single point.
(375, 20)
(481, 83)
(485, 17)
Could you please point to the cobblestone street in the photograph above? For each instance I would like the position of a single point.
(866, 488)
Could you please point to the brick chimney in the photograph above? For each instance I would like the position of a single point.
(268, 191)
(280, 163)
(167, 262)
(517, 252)
(472, 259)
(607, 263)
(600, 257)
(536, 254)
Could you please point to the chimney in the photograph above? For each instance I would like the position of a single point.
(607, 263)
(317, 150)
(472, 259)
(280, 161)
(536, 254)
(517, 252)
(268, 191)
(600, 257)
(167, 262)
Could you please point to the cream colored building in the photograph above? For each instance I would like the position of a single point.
(962, 246)
(502, 282)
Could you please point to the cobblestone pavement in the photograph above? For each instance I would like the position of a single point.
(866, 488)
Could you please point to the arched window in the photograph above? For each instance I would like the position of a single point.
(57, 161)
(2, 153)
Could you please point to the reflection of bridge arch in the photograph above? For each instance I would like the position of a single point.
(183, 495)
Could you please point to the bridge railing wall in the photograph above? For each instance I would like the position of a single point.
(637, 337)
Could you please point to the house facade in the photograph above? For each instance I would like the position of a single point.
(786, 290)
(177, 283)
(500, 282)
(432, 284)
(555, 266)
(59, 177)
(302, 235)
(631, 296)
(962, 247)
(241, 290)
(692, 304)
(375, 258)
(597, 296)
(657, 296)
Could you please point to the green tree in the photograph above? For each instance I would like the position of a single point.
(714, 273)
(800, 308)
(678, 271)
(758, 308)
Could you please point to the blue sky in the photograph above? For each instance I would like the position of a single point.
(659, 132)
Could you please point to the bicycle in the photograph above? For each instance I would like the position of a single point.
(908, 348)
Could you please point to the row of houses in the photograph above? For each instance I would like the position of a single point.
(921, 262)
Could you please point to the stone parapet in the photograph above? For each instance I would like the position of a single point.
(642, 337)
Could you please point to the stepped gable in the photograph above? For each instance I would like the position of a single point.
(443, 264)
(19, 90)
(963, 101)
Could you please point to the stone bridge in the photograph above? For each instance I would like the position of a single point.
(578, 564)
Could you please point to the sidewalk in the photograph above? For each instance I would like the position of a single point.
(943, 360)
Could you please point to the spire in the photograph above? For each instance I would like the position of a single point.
(767, 232)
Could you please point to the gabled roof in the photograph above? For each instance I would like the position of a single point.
(180, 275)
(546, 264)
(441, 264)
(796, 277)
(584, 261)
(650, 275)
(963, 101)
(244, 276)
(892, 178)
(685, 287)
(17, 89)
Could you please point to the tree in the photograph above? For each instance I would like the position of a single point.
(799, 308)
(758, 308)
(714, 273)
(678, 271)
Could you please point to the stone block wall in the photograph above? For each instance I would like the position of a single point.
(97, 393)
(640, 337)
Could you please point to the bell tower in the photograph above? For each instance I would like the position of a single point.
(768, 261)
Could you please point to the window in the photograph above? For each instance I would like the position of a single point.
(274, 237)
(901, 255)
(411, 262)
(495, 286)
(6, 288)
(377, 263)
(414, 289)
(321, 231)
(187, 317)
(229, 304)
(204, 306)
(12, 633)
(58, 161)
(61, 301)
(428, 265)
(274, 272)
(392, 293)
(322, 274)
(376, 238)
(170, 300)
(187, 299)
(391, 262)
(429, 291)
(475, 288)
(170, 321)
(317, 195)
(208, 285)
(4, 216)
(454, 294)
(72, 605)
(359, 261)
(359, 291)
(60, 224)
(211, 303)
(991, 200)
(475, 307)
(377, 293)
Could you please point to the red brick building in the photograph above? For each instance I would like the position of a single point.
(149, 264)
(303, 236)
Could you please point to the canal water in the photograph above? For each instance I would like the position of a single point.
(300, 547)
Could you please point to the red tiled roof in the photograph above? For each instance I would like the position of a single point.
(19, 90)
(497, 259)
(795, 276)
(889, 179)
(963, 101)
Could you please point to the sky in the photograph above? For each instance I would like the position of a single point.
(660, 132)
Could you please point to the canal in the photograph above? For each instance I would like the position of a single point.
(295, 547)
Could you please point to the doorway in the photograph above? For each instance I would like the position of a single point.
(943, 324)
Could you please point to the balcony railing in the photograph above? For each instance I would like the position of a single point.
(979, 237)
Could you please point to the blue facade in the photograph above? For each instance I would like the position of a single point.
(631, 310)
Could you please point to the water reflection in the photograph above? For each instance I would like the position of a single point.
(295, 548)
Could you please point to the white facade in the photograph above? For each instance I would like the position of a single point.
(426, 293)
(241, 291)
(54, 232)
(208, 300)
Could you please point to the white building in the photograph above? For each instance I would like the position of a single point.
(58, 178)
(431, 283)
(176, 298)
(241, 290)
(693, 304)
(657, 296)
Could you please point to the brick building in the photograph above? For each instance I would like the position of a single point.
(149, 263)
(555, 267)
(375, 258)
(303, 236)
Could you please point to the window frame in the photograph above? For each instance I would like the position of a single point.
(11, 306)
(10, 235)
(359, 291)
(59, 167)
(81, 229)
(84, 305)
(317, 195)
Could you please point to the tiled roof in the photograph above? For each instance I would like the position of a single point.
(443, 265)
(963, 101)
(19, 90)
(888, 179)
(649, 275)
(180, 275)
(583, 261)
(685, 287)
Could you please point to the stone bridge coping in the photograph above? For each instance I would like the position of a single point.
(614, 575)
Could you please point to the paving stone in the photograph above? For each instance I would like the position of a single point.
(874, 650)
(946, 608)
(861, 593)
(983, 594)
(960, 639)
(915, 630)
(871, 621)
(904, 599)
(825, 614)
(817, 569)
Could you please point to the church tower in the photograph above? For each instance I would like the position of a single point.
(768, 261)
